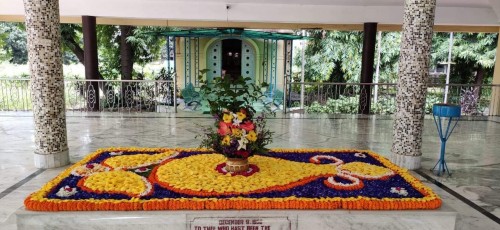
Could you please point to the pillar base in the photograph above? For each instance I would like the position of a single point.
(409, 162)
(53, 160)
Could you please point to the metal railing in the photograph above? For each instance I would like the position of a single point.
(97, 95)
(160, 96)
(335, 98)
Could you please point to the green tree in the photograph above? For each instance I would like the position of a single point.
(3, 37)
(13, 36)
(389, 56)
(108, 47)
(71, 36)
(120, 47)
(13, 44)
(473, 55)
(335, 56)
(126, 52)
(146, 44)
(72, 41)
(331, 55)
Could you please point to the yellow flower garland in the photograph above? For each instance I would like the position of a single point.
(196, 175)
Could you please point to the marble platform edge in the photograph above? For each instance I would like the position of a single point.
(442, 218)
(444, 210)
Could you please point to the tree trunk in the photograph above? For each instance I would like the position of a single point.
(337, 76)
(478, 81)
(73, 45)
(126, 53)
(78, 51)
(126, 65)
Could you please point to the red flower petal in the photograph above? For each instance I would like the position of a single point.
(247, 125)
(223, 129)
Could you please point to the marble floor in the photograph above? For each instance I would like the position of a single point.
(473, 151)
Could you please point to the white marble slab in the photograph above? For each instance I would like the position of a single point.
(443, 218)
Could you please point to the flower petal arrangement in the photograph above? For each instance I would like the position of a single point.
(236, 132)
(195, 179)
(237, 135)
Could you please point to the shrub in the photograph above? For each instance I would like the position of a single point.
(349, 105)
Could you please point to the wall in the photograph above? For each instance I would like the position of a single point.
(206, 42)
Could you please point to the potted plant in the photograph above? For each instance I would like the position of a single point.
(237, 133)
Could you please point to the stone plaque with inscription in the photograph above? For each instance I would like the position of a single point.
(240, 223)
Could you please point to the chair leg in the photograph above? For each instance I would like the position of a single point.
(196, 106)
(187, 104)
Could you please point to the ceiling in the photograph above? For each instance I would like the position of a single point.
(457, 3)
(448, 12)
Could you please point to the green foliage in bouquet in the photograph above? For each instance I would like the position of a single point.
(230, 93)
(237, 133)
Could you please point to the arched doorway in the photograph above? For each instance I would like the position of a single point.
(235, 56)
(231, 58)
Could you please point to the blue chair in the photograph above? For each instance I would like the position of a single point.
(273, 97)
(190, 96)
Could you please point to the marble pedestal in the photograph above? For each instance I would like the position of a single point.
(52, 160)
(443, 218)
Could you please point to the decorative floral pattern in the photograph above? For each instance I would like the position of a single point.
(195, 175)
(399, 191)
(118, 182)
(352, 172)
(89, 169)
(193, 179)
(116, 153)
(221, 168)
(142, 170)
(362, 155)
(366, 171)
(138, 160)
(66, 191)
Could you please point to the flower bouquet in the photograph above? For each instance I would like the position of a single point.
(237, 133)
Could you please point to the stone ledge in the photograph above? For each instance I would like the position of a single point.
(443, 218)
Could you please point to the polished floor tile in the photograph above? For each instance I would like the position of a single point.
(472, 151)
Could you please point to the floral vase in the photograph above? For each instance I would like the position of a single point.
(237, 165)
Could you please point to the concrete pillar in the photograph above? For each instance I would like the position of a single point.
(91, 62)
(416, 43)
(369, 40)
(47, 82)
(495, 92)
